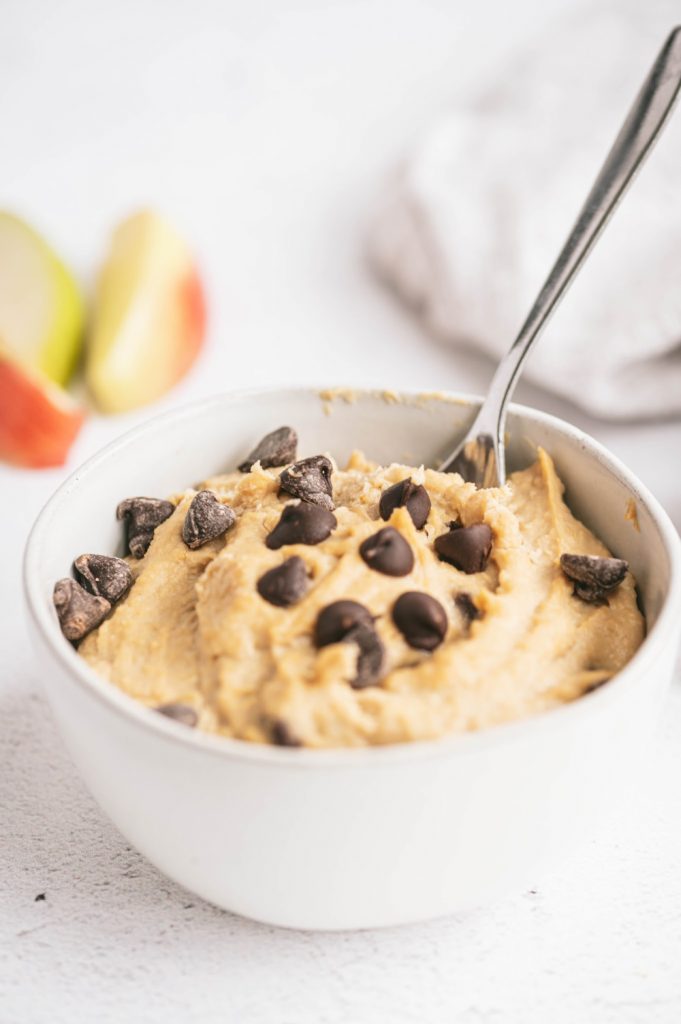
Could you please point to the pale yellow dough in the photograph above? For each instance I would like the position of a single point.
(195, 630)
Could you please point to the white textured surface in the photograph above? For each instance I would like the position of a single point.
(263, 133)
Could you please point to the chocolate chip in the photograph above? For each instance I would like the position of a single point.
(469, 610)
(275, 449)
(103, 576)
(388, 552)
(78, 612)
(370, 657)
(282, 734)
(421, 620)
(414, 497)
(465, 547)
(207, 519)
(285, 584)
(336, 620)
(310, 480)
(593, 577)
(143, 515)
(350, 622)
(301, 524)
(181, 713)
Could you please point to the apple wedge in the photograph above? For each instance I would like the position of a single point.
(41, 311)
(149, 317)
(38, 420)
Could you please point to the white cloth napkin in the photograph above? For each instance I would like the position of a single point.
(468, 228)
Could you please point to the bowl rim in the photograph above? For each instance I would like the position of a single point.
(163, 728)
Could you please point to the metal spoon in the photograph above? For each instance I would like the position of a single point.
(480, 456)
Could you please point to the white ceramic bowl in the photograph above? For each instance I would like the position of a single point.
(367, 837)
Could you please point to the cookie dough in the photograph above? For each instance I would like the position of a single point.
(457, 629)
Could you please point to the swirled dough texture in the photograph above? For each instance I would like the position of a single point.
(195, 630)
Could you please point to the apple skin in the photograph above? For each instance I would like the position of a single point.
(41, 308)
(194, 304)
(149, 315)
(38, 420)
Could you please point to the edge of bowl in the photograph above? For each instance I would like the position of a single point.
(223, 746)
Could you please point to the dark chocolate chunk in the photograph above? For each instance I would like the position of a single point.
(421, 620)
(388, 552)
(593, 577)
(350, 622)
(469, 610)
(282, 734)
(181, 713)
(207, 519)
(275, 449)
(79, 612)
(465, 547)
(301, 524)
(414, 497)
(336, 620)
(285, 584)
(310, 480)
(103, 576)
(370, 657)
(143, 515)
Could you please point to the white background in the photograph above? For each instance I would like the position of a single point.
(263, 130)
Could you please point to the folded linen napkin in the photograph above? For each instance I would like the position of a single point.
(468, 228)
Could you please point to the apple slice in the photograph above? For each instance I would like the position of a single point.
(149, 318)
(38, 420)
(41, 311)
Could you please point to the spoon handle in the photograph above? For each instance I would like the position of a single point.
(635, 140)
